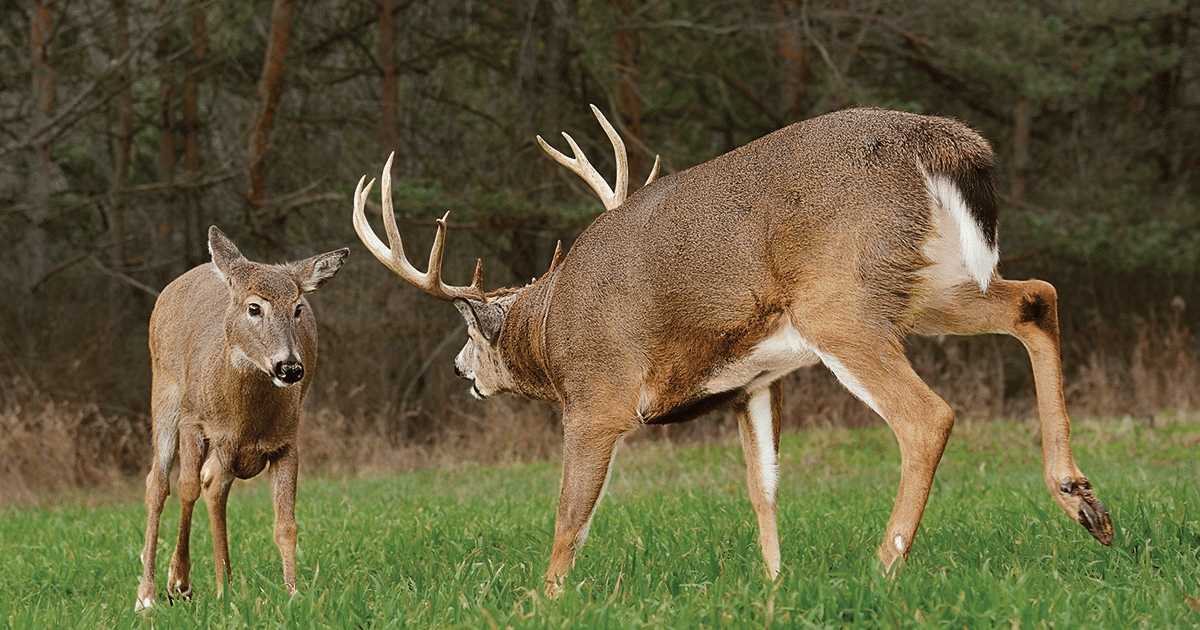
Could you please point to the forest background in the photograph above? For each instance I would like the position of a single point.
(127, 127)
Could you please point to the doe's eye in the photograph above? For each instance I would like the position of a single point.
(254, 310)
(299, 307)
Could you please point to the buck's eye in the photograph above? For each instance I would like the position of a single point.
(299, 307)
(254, 310)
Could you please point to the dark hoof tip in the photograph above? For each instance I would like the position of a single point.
(1092, 513)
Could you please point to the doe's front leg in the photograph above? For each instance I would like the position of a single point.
(284, 469)
(216, 482)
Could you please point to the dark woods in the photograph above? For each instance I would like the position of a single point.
(127, 127)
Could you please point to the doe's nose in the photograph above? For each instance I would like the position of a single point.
(458, 372)
(289, 371)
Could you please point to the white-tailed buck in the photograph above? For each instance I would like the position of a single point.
(233, 346)
(827, 241)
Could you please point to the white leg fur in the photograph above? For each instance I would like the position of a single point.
(759, 409)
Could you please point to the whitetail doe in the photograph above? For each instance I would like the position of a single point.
(827, 241)
(233, 346)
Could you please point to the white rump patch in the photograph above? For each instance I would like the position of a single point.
(759, 409)
(973, 258)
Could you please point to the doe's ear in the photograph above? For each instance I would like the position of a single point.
(481, 316)
(225, 254)
(312, 273)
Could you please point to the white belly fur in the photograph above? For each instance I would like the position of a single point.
(783, 352)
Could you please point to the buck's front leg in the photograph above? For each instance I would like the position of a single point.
(216, 481)
(758, 423)
(283, 486)
(588, 452)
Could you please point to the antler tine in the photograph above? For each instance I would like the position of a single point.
(392, 255)
(653, 171)
(622, 184)
(584, 169)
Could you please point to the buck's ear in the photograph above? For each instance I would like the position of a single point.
(312, 273)
(481, 316)
(225, 254)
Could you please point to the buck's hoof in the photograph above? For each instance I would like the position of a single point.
(1092, 513)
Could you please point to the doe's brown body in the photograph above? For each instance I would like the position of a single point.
(233, 347)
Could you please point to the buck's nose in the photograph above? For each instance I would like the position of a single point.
(289, 371)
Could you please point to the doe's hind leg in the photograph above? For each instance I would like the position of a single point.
(1028, 310)
(164, 406)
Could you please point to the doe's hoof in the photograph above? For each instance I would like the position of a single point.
(1092, 513)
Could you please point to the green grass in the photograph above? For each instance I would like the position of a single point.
(674, 544)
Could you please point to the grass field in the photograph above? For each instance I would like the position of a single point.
(673, 544)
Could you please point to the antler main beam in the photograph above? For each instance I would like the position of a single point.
(392, 255)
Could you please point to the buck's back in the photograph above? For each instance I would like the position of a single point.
(706, 257)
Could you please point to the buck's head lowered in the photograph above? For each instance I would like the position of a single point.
(268, 319)
(481, 360)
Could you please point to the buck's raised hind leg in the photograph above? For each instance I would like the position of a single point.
(164, 406)
(758, 423)
(589, 448)
(191, 454)
(216, 481)
(283, 488)
(873, 367)
(1028, 310)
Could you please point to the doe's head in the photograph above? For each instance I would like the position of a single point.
(268, 323)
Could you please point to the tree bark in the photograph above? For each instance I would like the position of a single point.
(123, 140)
(1022, 118)
(628, 47)
(194, 238)
(33, 257)
(388, 98)
(793, 59)
(161, 230)
(270, 89)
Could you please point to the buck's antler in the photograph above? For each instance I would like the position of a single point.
(610, 197)
(392, 255)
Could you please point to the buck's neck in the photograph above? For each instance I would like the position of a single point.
(522, 343)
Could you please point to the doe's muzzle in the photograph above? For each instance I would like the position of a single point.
(289, 371)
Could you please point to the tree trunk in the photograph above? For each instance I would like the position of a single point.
(1023, 117)
(161, 236)
(793, 59)
(270, 89)
(33, 253)
(628, 45)
(194, 237)
(388, 98)
(124, 139)
(123, 143)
